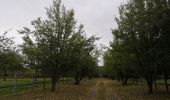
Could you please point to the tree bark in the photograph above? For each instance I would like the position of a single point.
(133, 80)
(155, 85)
(44, 82)
(90, 76)
(36, 74)
(137, 81)
(4, 78)
(5, 74)
(166, 82)
(124, 81)
(150, 85)
(76, 80)
(53, 82)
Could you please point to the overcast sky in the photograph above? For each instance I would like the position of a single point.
(96, 15)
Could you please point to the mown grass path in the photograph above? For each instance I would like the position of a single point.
(102, 91)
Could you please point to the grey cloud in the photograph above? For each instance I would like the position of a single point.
(96, 15)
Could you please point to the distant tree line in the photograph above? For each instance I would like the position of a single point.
(141, 43)
(56, 47)
(10, 59)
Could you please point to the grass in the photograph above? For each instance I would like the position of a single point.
(162, 81)
(7, 87)
(10, 82)
(24, 84)
(64, 92)
(99, 89)
(137, 92)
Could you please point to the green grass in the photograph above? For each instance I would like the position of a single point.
(99, 89)
(22, 85)
(68, 91)
(162, 81)
(137, 92)
(10, 82)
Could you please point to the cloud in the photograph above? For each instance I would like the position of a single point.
(96, 15)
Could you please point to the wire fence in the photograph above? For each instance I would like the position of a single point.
(17, 85)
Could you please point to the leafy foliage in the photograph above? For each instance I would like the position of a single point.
(57, 46)
(141, 39)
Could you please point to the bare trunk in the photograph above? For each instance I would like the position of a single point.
(137, 81)
(44, 82)
(90, 76)
(150, 85)
(53, 82)
(5, 74)
(124, 81)
(166, 82)
(36, 75)
(133, 80)
(4, 78)
(76, 80)
(155, 85)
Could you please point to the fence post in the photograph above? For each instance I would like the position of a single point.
(67, 79)
(44, 82)
(32, 81)
(15, 84)
(63, 80)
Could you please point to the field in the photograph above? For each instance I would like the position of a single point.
(96, 89)
(24, 85)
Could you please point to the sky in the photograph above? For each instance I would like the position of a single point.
(97, 16)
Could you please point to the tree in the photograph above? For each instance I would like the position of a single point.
(120, 60)
(82, 60)
(10, 59)
(49, 44)
(32, 55)
(144, 26)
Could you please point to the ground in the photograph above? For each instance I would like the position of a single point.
(98, 89)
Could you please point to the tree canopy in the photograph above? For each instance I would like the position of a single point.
(141, 40)
(57, 44)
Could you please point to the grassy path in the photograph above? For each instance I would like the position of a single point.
(102, 91)
(93, 92)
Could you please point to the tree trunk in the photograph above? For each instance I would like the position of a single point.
(5, 74)
(133, 80)
(67, 79)
(137, 81)
(33, 81)
(53, 82)
(76, 80)
(44, 82)
(124, 81)
(4, 78)
(90, 76)
(36, 74)
(150, 85)
(166, 82)
(155, 85)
